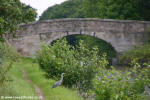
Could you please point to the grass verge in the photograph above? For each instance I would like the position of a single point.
(15, 85)
(36, 75)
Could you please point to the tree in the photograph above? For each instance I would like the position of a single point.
(12, 13)
(91, 8)
(118, 9)
(68, 9)
(109, 9)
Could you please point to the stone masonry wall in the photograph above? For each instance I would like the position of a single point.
(122, 35)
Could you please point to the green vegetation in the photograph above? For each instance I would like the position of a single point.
(12, 13)
(91, 42)
(118, 9)
(68, 9)
(115, 85)
(7, 56)
(83, 59)
(37, 76)
(13, 82)
(109, 9)
(141, 54)
(17, 85)
(8, 75)
(80, 64)
(84, 69)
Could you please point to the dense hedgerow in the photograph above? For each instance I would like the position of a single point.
(80, 64)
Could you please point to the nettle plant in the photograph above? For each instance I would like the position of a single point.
(116, 85)
(80, 64)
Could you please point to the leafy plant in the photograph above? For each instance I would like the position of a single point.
(12, 13)
(115, 85)
(141, 54)
(80, 64)
(90, 42)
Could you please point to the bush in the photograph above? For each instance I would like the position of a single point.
(114, 85)
(80, 64)
(103, 46)
(141, 54)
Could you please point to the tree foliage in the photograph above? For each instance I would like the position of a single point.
(68, 9)
(111, 9)
(12, 13)
(91, 42)
(118, 9)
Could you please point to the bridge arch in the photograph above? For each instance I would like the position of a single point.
(122, 35)
(93, 34)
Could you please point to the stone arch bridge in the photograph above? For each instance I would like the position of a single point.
(122, 35)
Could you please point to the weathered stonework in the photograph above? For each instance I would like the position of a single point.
(122, 35)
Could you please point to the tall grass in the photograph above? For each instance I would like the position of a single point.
(7, 56)
(15, 85)
(11, 79)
